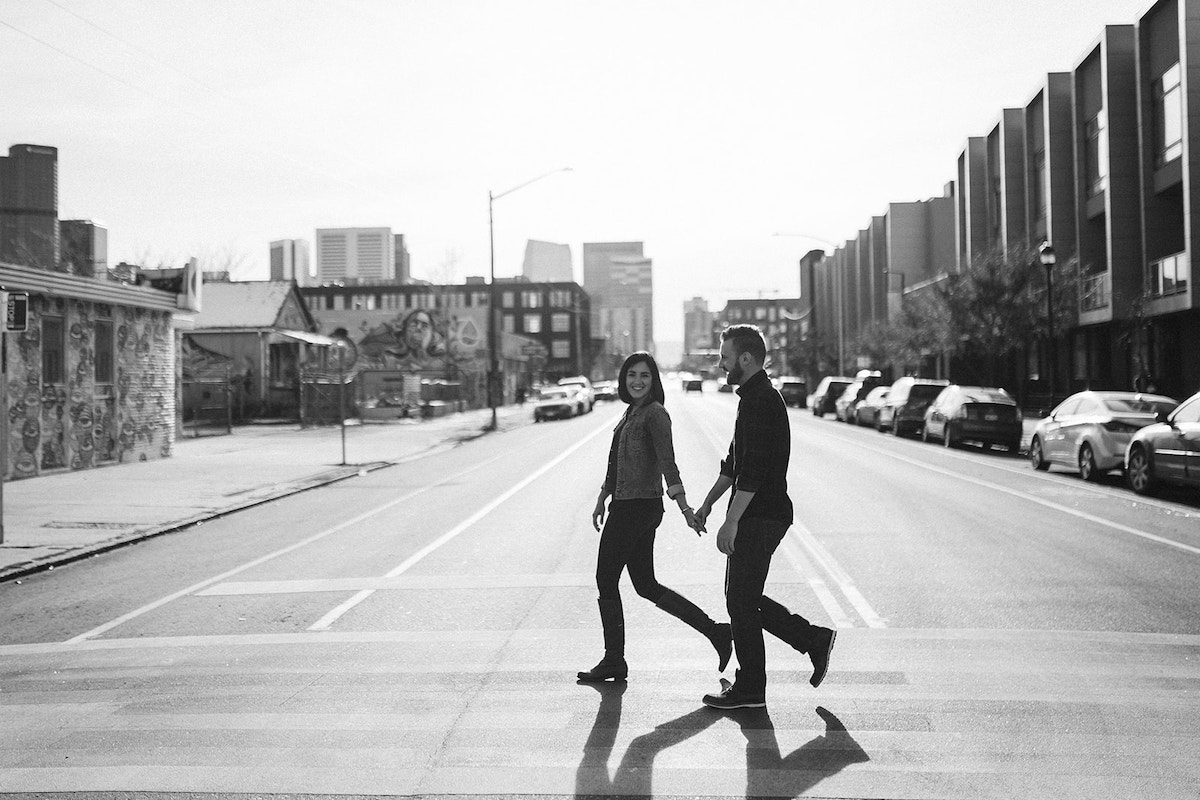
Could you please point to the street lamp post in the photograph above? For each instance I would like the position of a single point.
(1048, 259)
(493, 317)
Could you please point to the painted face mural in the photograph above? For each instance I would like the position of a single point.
(423, 340)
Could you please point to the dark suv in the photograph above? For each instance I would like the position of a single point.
(828, 391)
(904, 411)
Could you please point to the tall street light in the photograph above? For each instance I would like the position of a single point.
(1047, 257)
(493, 318)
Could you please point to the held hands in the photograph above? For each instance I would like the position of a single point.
(693, 521)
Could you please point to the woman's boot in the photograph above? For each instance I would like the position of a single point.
(612, 666)
(719, 634)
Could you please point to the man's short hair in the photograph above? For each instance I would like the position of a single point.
(746, 339)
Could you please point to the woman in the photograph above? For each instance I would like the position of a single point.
(640, 457)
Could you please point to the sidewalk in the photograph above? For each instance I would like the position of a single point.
(59, 518)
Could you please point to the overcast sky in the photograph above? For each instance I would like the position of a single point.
(698, 127)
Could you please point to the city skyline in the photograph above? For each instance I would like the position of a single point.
(701, 153)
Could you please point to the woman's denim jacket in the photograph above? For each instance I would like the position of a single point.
(644, 454)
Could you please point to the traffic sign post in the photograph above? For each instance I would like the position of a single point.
(16, 320)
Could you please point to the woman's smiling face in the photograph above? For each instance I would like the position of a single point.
(639, 381)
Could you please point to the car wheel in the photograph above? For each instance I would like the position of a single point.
(1087, 463)
(1036, 457)
(1141, 472)
(896, 429)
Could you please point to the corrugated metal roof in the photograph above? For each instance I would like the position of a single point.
(242, 304)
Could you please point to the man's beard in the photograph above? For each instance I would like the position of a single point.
(735, 374)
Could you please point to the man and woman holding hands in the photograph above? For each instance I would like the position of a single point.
(757, 517)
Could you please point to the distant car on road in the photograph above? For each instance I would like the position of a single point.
(1166, 452)
(606, 390)
(974, 413)
(1091, 430)
(585, 387)
(904, 411)
(693, 385)
(828, 391)
(559, 402)
(794, 391)
(867, 411)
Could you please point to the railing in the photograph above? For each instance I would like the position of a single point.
(1094, 292)
(1168, 276)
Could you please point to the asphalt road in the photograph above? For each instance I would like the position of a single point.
(415, 631)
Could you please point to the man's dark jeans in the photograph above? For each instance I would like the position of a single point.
(750, 611)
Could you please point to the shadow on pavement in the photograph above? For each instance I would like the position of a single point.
(769, 772)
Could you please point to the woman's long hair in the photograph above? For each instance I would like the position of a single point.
(656, 386)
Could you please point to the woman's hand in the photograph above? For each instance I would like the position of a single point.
(701, 515)
(693, 521)
(598, 514)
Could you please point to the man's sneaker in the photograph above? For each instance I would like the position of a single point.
(818, 653)
(731, 697)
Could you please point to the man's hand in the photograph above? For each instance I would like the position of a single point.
(598, 514)
(726, 535)
(701, 515)
(693, 522)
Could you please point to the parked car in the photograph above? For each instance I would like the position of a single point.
(1090, 431)
(585, 386)
(867, 411)
(606, 391)
(559, 402)
(828, 391)
(794, 391)
(693, 384)
(843, 407)
(1166, 452)
(974, 413)
(723, 385)
(904, 410)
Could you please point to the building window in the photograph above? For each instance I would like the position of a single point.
(531, 299)
(1168, 105)
(1168, 275)
(104, 351)
(560, 298)
(1096, 157)
(560, 348)
(508, 323)
(560, 323)
(54, 350)
(1040, 178)
(760, 313)
(507, 300)
(533, 323)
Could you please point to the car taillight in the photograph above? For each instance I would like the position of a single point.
(1117, 426)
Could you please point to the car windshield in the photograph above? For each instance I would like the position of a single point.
(1124, 405)
(987, 396)
(553, 394)
(924, 391)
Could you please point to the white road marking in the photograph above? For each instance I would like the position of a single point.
(840, 577)
(194, 588)
(1117, 526)
(794, 553)
(326, 621)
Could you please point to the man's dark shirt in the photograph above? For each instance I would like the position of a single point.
(759, 453)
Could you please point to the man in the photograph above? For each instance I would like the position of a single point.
(759, 514)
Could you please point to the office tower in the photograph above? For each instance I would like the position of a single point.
(547, 261)
(289, 261)
(84, 248)
(355, 255)
(29, 232)
(403, 269)
(620, 281)
(697, 326)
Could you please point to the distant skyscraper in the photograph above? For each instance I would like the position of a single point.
(289, 261)
(697, 325)
(29, 232)
(548, 262)
(355, 255)
(84, 248)
(620, 281)
(403, 263)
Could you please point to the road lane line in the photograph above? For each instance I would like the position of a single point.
(1117, 526)
(841, 578)
(793, 553)
(194, 588)
(326, 621)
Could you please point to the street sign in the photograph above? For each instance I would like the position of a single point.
(16, 311)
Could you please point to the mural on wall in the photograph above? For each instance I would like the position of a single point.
(425, 340)
(74, 424)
